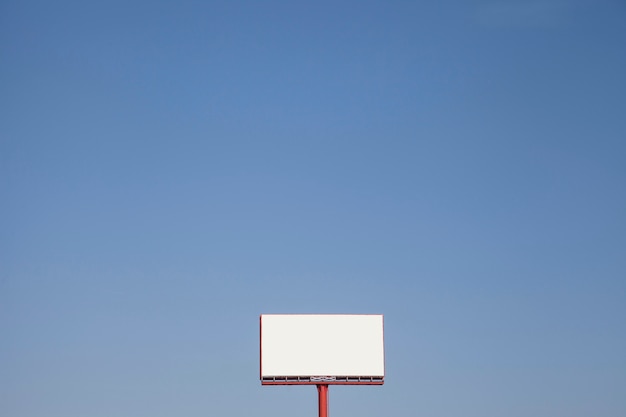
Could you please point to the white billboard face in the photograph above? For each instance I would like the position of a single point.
(330, 346)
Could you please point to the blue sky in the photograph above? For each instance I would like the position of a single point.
(171, 170)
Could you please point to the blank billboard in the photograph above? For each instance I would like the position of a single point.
(301, 348)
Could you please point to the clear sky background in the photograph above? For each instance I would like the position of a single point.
(171, 170)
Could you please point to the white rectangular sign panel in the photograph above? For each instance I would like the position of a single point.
(304, 347)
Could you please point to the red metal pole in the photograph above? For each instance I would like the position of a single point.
(322, 399)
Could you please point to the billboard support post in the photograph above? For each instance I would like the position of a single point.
(322, 399)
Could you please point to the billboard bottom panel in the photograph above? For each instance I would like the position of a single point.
(327, 380)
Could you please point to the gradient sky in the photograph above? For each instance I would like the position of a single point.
(171, 170)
